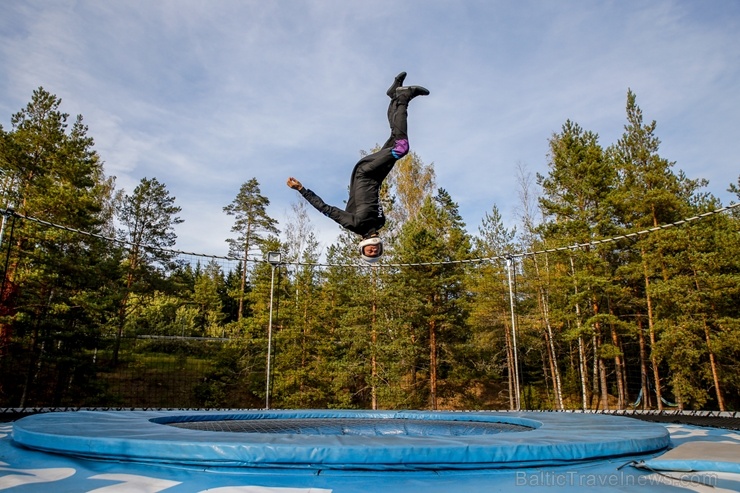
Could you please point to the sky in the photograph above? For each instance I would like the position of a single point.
(206, 94)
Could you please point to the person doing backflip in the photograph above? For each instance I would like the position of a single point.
(364, 214)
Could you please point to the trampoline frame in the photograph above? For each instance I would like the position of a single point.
(140, 436)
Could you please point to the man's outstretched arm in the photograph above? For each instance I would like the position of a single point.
(344, 218)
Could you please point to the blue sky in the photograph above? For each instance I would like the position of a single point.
(204, 95)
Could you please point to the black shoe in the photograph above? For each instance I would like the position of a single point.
(397, 82)
(408, 93)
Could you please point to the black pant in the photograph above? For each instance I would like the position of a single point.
(364, 214)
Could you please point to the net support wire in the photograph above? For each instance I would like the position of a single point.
(9, 212)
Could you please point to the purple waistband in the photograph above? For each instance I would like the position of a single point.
(400, 149)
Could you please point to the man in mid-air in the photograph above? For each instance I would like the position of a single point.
(364, 214)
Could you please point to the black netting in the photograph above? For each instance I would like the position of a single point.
(354, 426)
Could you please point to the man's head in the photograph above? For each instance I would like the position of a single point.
(371, 249)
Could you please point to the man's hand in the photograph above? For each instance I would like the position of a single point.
(294, 184)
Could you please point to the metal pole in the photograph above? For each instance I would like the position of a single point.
(2, 229)
(8, 207)
(269, 341)
(509, 264)
(8, 211)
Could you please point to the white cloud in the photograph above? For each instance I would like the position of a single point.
(206, 95)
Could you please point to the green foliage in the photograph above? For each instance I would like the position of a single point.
(55, 282)
(251, 224)
(88, 322)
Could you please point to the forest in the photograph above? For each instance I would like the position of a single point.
(98, 308)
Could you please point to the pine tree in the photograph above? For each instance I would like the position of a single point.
(490, 319)
(349, 297)
(649, 194)
(437, 234)
(304, 348)
(206, 297)
(575, 202)
(252, 334)
(54, 279)
(251, 222)
(148, 217)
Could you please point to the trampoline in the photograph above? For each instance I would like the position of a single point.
(341, 440)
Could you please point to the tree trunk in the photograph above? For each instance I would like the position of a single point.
(583, 366)
(713, 365)
(38, 347)
(646, 397)
(651, 330)
(545, 309)
(373, 350)
(712, 358)
(509, 361)
(598, 360)
(241, 290)
(7, 310)
(582, 361)
(603, 385)
(304, 349)
(557, 387)
(244, 273)
(123, 309)
(8, 293)
(619, 368)
(517, 393)
(433, 364)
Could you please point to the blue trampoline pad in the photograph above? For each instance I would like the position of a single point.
(369, 440)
